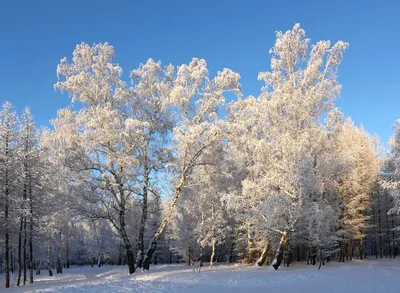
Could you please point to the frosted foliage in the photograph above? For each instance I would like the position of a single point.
(91, 78)
(281, 132)
(195, 99)
(391, 180)
(153, 83)
(358, 150)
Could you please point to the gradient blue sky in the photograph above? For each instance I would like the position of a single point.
(35, 35)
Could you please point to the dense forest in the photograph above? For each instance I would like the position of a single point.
(177, 166)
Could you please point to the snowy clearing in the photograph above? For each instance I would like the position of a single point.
(354, 277)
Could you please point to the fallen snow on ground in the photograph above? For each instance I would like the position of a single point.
(354, 277)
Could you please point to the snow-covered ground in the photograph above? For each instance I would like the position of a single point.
(354, 277)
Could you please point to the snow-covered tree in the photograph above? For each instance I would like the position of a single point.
(8, 177)
(195, 99)
(284, 126)
(360, 151)
(152, 85)
(96, 145)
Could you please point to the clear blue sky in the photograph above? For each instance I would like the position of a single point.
(35, 35)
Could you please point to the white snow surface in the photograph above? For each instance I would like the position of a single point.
(354, 277)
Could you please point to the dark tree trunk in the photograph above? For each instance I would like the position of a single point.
(201, 256)
(189, 257)
(143, 219)
(67, 244)
(12, 261)
(375, 250)
(59, 260)
(298, 253)
(350, 250)
(24, 218)
(393, 238)
(279, 253)
(379, 222)
(361, 249)
(150, 252)
(314, 256)
(67, 251)
(24, 254)
(129, 253)
(30, 234)
(38, 268)
(7, 254)
(389, 251)
(6, 207)
(100, 260)
(48, 257)
(163, 224)
(232, 251)
(20, 251)
(320, 257)
(7, 239)
(249, 244)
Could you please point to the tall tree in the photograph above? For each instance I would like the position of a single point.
(391, 176)
(8, 161)
(284, 126)
(359, 150)
(195, 99)
(97, 144)
(152, 85)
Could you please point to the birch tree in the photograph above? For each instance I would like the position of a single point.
(152, 85)
(195, 99)
(286, 125)
(96, 145)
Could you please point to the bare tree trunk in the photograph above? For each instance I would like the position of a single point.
(379, 221)
(6, 194)
(389, 251)
(24, 254)
(48, 256)
(232, 248)
(375, 251)
(264, 255)
(212, 252)
(128, 248)
(99, 260)
(12, 262)
(201, 256)
(67, 248)
(164, 222)
(393, 238)
(24, 206)
(279, 253)
(350, 250)
(140, 244)
(59, 260)
(189, 257)
(30, 233)
(249, 244)
(20, 251)
(7, 247)
(320, 257)
(38, 267)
